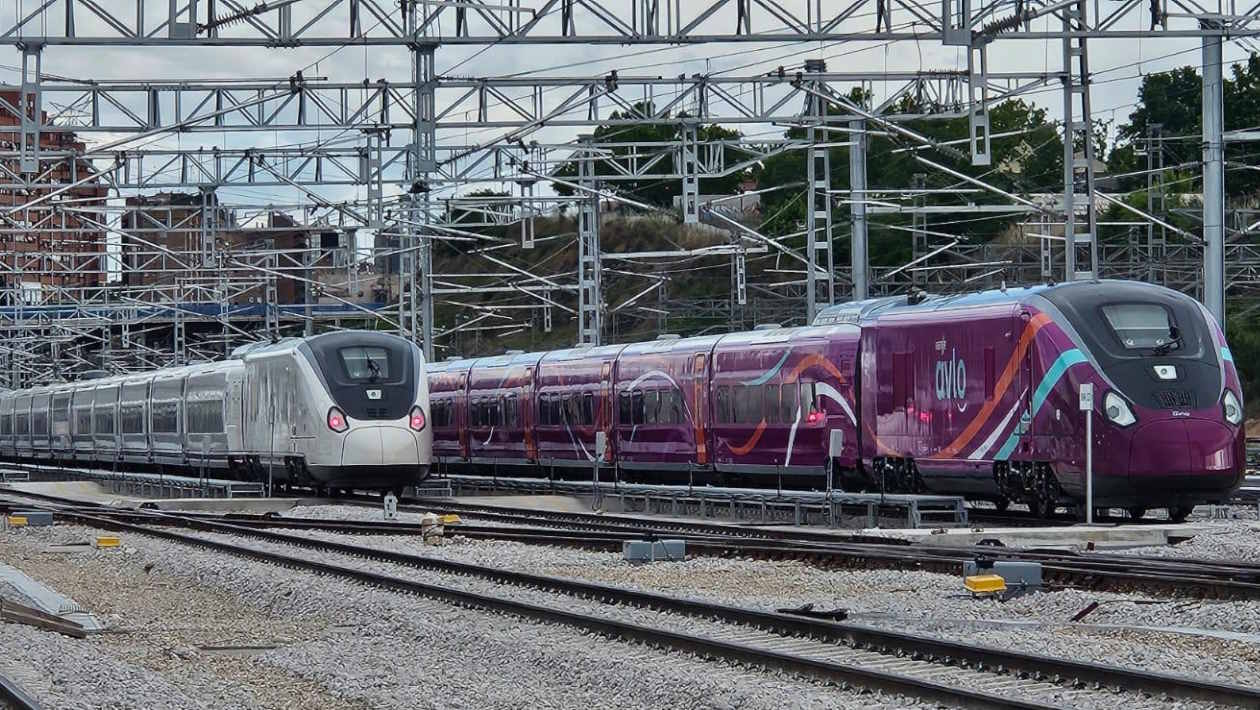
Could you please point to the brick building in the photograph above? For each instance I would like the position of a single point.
(57, 246)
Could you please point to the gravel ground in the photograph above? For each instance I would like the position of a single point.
(1234, 541)
(625, 613)
(1217, 640)
(340, 644)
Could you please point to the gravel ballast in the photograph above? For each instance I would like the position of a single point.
(1209, 639)
(373, 648)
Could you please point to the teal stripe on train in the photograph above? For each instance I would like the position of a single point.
(761, 380)
(1065, 360)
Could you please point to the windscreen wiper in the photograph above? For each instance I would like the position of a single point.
(1165, 348)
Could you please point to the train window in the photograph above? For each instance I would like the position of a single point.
(131, 419)
(808, 404)
(748, 405)
(722, 405)
(494, 412)
(83, 420)
(636, 407)
(365, 364)
(669, 413)
(651, 406)
(1140, 325)
(899, 381)
(22, 424)
(165, 417)
(39, 422)
(205, 416)
(588, 408)
(60, 409)
(104, 419)
(770, 398)
(787, 403)
(6, 424)
(623, 408)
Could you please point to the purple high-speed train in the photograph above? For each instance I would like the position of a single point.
(975, 395)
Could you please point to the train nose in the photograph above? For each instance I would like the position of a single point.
(1182, 452)
(380, 445)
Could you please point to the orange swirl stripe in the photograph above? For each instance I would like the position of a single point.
(793, 375)
(1004, 382)
(752, 440)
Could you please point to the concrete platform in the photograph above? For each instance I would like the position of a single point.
(99, 494)
(82, 491)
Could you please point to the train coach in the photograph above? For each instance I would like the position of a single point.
(974, 394)
(342, 410)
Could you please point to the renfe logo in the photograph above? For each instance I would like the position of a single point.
(951, 380)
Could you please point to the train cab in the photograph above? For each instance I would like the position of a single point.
(1170, 399)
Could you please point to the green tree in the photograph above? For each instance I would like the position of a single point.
(655, 148)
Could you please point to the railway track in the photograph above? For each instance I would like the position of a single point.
(1211, 579)
(851, 655)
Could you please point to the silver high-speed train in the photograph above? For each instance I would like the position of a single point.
(340, 410)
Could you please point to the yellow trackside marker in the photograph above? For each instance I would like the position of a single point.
(985, 584)
(16, 521)
(449, 519)
(106, 541)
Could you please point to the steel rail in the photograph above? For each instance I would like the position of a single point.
(700, 645)
(857, 636)
(936, 650)
(1200, 578)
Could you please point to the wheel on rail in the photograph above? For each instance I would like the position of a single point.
(1136, 512)
(1078, 511)
(1001, 504)
(1179, 513)
(1042, 507)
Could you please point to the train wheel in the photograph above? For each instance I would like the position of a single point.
(1179, 513)
(1001, 504)
(1042, 506)
(1136, 512)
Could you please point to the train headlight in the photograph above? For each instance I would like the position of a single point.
(1233, 410)
(1117, 410)
(337, 420)
(416, 419)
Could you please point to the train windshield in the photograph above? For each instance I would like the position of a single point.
(1133, 328)
(365, 364)
(368, 375)
(1141, 325)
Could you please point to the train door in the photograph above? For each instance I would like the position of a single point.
(1025, 384)
(527, 416)
(699, 412)
(461, 415)
(603, 420)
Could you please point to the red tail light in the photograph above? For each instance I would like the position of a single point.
(337, 420)
(814, 417)
(416, 420)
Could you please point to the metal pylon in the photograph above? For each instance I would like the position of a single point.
(1078, 168)
(589, 292)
